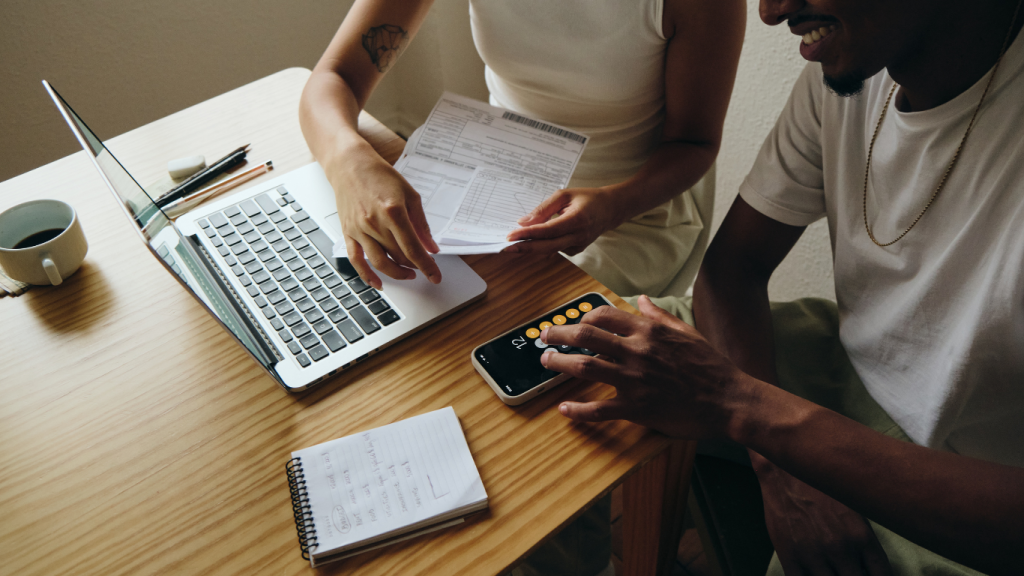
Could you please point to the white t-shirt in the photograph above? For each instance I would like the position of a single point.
(934, 324)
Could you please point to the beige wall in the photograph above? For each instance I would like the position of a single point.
(125, 63)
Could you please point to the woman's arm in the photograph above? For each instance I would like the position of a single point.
(381, 215)
(705, 37)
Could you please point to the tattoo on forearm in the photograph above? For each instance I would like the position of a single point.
(383, 43)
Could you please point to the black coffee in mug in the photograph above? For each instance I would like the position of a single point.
(38, 238)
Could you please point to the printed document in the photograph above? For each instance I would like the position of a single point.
(479, 169)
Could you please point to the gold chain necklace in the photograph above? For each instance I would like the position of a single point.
(945, 175)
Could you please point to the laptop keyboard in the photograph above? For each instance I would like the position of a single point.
(317, 303)
(165, 253)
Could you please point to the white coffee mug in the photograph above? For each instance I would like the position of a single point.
(41, 242)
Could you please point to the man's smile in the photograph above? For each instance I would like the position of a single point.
(816, 35)
(813, 32)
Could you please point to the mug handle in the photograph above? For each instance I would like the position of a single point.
(51, 271)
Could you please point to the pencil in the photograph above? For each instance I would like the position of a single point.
(186, 188)
(219, 188)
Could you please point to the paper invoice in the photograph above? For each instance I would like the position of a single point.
(479, 169)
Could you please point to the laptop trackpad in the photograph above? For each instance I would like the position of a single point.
(333, 225)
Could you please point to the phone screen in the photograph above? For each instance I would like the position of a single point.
(513, 360)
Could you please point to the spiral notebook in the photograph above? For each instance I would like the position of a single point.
(384, 485)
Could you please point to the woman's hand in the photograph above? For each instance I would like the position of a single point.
(580, 216)
(383, 221)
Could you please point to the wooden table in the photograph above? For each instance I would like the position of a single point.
(138, 438)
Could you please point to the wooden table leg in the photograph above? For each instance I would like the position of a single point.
(653, 502)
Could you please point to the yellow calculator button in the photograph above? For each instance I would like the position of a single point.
(559, 319)
(532, 333)
(572, 313)
(585, 307)
(544, 325)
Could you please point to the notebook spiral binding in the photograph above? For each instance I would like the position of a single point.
(300, 506)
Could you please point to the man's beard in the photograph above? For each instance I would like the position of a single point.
(845, 86)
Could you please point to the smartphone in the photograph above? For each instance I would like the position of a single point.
(511, 362)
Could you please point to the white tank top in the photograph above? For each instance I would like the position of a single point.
(595, 66)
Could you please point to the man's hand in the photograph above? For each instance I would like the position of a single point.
(815, 534)
(668, 377)
(583, 214)
(666, 374)
(383, 222)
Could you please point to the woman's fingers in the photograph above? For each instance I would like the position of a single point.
(546, 209)
(420, 226)
(358, 261)
(385, 220)
(412, 248)
(565, 225)
(377, 255)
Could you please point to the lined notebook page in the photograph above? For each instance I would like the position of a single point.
(389, 480)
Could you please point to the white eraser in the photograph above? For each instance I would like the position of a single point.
(185, 167)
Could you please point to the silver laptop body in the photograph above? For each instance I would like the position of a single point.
(259, 260)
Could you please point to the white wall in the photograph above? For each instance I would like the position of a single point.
(769, 66)
(125, 63)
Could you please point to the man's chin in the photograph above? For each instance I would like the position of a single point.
(845, 86)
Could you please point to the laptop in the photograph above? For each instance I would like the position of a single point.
(259, 261)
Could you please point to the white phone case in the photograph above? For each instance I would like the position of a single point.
(540, 387)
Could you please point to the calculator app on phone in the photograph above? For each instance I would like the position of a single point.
(511, 362)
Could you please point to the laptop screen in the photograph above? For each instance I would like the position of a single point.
(157, 231)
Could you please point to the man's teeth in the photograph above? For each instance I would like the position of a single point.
(815, 35)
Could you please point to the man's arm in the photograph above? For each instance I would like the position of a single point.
(809, 529)
(670, 378)
(730, 295)
(963, 508)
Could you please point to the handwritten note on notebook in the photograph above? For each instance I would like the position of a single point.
(386, 484)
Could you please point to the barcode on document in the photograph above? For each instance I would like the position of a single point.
(545, 127)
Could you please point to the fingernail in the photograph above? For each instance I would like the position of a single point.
(544, 357)
(511, 249)
(544, 335)
(564, 409)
